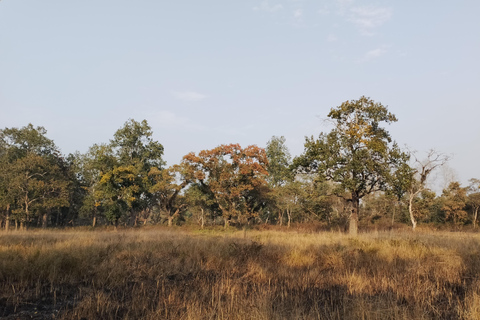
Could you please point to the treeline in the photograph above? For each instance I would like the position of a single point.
(354, 175)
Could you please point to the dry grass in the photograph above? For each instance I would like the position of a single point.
(175, 274)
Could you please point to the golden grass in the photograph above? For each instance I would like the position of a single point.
(178, 274)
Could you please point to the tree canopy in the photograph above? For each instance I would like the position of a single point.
(234, 176)
(358, 153)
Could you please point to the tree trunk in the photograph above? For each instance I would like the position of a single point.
(133, 218)
(202, 218)
(227, 222)
(7, 219)
(280, 217)
(353, 225)
(16, 224)
(289, 215)
(393, 215)
(410, 211)
(94, 218)
(171, 217)
(44, 220)
(474, 218)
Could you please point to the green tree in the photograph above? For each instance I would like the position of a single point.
(201, 204)
(118, 173)
(357, 153)
(454, 201)
(280, 177)
(279, 161)
(34, 175)
(473, 201)
(166, 188)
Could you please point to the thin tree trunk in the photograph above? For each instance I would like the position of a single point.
(227, 222)
(280, 217)
(202, 218)
(7, 219)
(289, 215)
(133, 218)
(353, 225)
(393, 215)
(94, 220)
(474, 218)
(410, 211)
(44, 220)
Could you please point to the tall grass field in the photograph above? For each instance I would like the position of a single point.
(164, 273)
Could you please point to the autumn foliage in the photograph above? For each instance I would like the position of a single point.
(233, 177)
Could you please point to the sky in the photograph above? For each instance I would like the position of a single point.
(212, 72)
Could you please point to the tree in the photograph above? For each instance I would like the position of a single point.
(279, 161)
(474, 198)
(34, 175)
(167, 184)
(454, 200)
(201, 204)
(414, 180)
(357, 153)
(280, 176)
(136, 154)
(118, 173)
(231, 175)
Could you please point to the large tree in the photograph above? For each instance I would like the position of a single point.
(118, 172)
(34, 176)
(358, 153)
(233, 176)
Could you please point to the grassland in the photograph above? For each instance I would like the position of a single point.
(186, 274)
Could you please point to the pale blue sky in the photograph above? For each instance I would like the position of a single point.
(204, 73)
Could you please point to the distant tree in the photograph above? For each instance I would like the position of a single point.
(400, 184)
(358, 153)
(415, 179)
(279, 161)
(230, 175)
(474, 199)
(201, 204)
(34, 177)
(136, 154)
(280, 178)
(166, 187)
(454, 201)
(117, 173)
(314, 200)
(427, 207)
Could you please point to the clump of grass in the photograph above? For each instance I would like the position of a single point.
(159, 273)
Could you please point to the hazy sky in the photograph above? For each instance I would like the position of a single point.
(205, 73)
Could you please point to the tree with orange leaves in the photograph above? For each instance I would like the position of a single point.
(234, 177)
